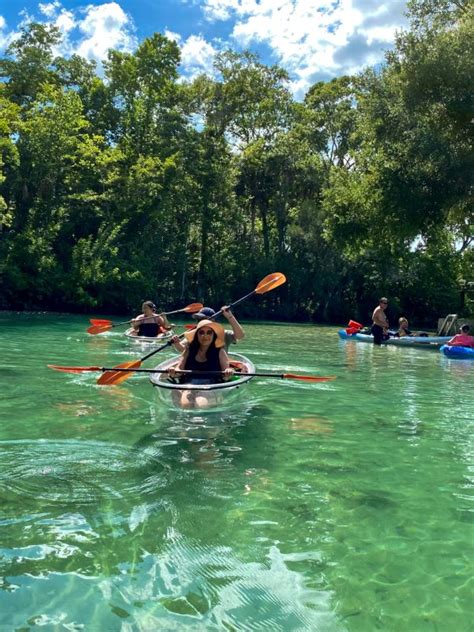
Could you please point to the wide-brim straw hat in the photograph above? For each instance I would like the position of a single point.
(216, 328)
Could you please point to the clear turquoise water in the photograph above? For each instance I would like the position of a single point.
(344, 506)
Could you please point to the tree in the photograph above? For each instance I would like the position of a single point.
(29, 62)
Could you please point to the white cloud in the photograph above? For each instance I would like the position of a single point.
(171, 35)
(197, 56)
(87, 31)
(313, 39)
(105, 26)
(49, 9)
(6, 38)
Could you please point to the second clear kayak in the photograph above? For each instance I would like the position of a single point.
(148, 340)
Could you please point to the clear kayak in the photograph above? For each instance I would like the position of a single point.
(202, 396)
(459, 353)
(429, 342)
(148, 340)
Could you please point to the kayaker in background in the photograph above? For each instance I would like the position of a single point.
(462, 339)
(150, 323)
(205, 352)
(230, 336)
(380, 322)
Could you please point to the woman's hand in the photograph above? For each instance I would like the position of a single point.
(173, 371)
(228, 373)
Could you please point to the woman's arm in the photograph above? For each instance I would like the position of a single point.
(224, 364)
(164, 322)
(178, 345)
(174, 370)
(239, 333)
(136, 321)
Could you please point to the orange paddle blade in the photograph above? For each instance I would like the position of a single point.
(270, 282)
(307, 378)
(117, 377)
(98, 329)
(192, 308)
(73, 369)
(100, 321)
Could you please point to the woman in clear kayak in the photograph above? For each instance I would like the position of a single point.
(206, 358)
(149, 323)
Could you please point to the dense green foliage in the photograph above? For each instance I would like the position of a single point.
(130, 184)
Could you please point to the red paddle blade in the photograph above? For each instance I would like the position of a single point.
(192, 308)
(73, 369)
(270, 282)
(190, 326)
(108, 378)
(98, 329)
(308, 378)
(100, 321)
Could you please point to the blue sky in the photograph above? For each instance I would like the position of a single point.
(313, 39)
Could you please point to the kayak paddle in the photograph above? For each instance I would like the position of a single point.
(99, 326)
(126, 370)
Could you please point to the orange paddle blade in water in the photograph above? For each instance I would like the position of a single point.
(307, 378)
(117, 377)
(98, 329)
(73, 369)
(100, 321)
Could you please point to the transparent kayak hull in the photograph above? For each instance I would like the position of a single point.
(147, 340)
(202, 396)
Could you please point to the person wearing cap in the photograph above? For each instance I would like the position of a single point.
(462, 339)
(230, 336)
(205, 352)
(149, 323)
(380, 322)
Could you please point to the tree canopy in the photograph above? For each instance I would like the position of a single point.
(136, 184)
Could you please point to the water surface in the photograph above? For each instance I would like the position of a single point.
(344, 506)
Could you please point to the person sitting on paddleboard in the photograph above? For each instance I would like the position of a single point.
(403, 327)
(462, 339)
(380, 322)
(149, 323)
(230, 336)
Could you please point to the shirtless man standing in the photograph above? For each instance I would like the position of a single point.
(380, 322)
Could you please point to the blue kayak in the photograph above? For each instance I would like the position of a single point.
(429, 342)
(460, 353)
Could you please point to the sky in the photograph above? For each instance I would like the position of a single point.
(314, 40)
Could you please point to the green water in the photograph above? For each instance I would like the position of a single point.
(343, 506)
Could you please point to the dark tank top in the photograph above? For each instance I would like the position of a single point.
(151, 330)
(211, 364)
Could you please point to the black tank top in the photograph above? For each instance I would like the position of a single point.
(212, 363)
(151, 330)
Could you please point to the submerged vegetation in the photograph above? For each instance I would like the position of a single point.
(131, 184)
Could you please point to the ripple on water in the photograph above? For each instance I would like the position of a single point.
(76, 472)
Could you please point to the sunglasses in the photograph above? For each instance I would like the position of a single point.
(205, 332)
